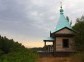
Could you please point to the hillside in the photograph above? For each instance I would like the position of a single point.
(11, 51)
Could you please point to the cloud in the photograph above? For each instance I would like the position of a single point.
(32, 20)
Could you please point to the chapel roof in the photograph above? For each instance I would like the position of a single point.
(62, 22)
(49, 38)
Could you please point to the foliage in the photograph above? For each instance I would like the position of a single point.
(67, 18)
(11, 51)
(79, 40)
(20, 56)
(79, 37)
(78, 57)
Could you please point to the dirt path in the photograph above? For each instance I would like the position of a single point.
(54, 59)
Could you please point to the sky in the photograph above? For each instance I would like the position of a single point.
(30, 21)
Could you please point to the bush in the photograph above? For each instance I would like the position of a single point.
(11, 51)
(21, 56)
(78, 57)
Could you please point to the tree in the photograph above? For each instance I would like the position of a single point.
(79, 37)
(67, 18)
(11, 51)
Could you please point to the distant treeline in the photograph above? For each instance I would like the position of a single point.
(11, 51)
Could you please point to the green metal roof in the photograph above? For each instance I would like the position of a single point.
(62, 22)
(49, 38)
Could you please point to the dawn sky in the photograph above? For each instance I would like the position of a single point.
(30, 21)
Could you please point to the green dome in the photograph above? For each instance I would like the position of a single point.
(61, 10)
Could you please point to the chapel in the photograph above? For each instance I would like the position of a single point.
(61, 37)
